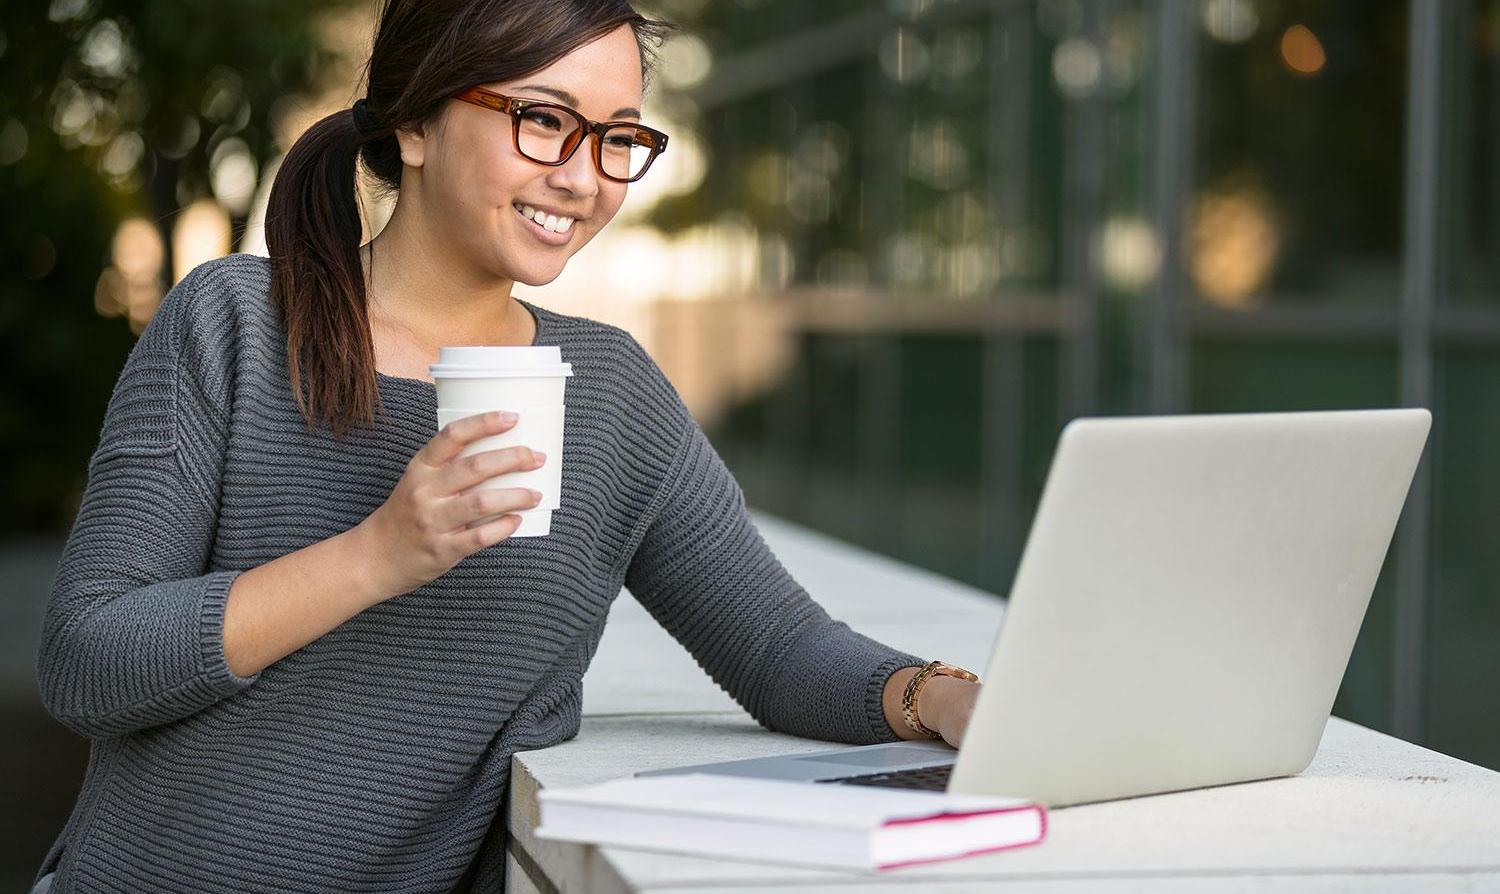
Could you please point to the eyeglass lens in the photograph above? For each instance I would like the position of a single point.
(545, 134)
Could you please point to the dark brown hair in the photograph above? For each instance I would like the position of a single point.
(425, 50)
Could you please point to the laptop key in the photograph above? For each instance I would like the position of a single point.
(933, 779)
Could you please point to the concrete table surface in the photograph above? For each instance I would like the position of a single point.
(1371, 813)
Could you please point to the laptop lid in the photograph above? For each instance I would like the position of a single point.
(1187, 601)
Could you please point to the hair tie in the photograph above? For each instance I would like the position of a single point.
(363, 121)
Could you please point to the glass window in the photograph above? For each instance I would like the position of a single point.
(831, 464)
(941, 238)
(1300, 159)
(939, 440)
(1464, 615)
(1469, 243)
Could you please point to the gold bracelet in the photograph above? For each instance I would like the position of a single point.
(914, 691)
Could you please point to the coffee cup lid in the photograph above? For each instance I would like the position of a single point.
(499, 361)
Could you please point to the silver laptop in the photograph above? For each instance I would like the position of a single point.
(1182, 615)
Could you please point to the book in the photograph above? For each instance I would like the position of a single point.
(766, 820)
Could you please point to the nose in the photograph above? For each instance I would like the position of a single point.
(577, 175)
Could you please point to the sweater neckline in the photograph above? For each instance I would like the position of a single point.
(537, 314)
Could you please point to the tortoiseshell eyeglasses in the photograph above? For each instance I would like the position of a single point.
(548, 134)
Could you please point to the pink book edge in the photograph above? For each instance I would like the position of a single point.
(1040, 811)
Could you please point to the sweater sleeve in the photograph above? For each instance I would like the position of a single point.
(707, 576)
(133, 631)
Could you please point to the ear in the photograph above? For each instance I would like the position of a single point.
(413, 143)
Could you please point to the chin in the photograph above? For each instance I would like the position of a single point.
(536, 277)
(531, 269)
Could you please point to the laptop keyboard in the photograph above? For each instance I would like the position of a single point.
(933, 779)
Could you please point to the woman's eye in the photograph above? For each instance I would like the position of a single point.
(545, 119)
(620, 142)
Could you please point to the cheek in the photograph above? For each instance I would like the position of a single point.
(484, 174)
(610, 199)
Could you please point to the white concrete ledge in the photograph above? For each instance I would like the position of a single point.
(1371, 813)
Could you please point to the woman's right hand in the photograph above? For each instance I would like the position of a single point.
(435, 516)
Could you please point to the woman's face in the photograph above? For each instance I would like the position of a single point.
(472, 180)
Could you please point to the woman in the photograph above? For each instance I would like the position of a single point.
(303, 655)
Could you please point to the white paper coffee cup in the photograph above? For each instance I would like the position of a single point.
(528, 381)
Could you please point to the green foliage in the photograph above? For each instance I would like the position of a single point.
(110, 109)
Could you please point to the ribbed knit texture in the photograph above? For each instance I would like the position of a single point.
(376, 758)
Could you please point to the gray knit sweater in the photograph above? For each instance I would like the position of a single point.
(376, 758)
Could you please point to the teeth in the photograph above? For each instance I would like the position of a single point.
(545, 220)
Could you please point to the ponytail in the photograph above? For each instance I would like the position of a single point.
(317, 282)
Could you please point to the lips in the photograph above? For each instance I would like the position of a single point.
(548, 228)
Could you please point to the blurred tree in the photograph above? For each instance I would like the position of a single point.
(112, 109)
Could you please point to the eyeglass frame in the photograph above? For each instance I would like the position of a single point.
(515, 105)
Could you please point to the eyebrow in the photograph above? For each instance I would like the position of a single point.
(572, 100)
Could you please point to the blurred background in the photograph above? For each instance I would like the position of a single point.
(895, 246)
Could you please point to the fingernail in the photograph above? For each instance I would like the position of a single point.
(508, 417)
(539, 455)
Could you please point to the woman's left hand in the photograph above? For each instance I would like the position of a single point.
(946, 705)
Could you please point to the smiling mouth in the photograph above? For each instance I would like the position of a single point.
(548, 222)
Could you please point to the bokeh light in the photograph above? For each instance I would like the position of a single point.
(1230, 21)
(131, 285)
(1301, 50)
(1234, 243)
(232, 173)
(903, 56)
(1129, 252)
(200, 233)
(1077, 67)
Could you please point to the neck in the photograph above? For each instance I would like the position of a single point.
(418, 286)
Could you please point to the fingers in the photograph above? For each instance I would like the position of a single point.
(467, 471)
(481, 506)
(459, 434)
(490, 533)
